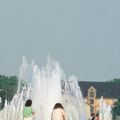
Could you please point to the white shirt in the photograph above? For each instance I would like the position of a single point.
(58, 114)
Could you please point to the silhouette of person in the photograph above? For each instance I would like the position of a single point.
(27, 110)
(58, 112)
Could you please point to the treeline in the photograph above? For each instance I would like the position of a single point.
(115, 80)
(8, 87)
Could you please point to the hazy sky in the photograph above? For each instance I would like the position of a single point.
(83, 35)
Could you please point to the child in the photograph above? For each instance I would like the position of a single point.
(27, 110)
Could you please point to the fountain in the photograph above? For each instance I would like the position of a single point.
(45, 86)
(104, 111)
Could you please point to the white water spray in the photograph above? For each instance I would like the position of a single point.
(104, 111)
(46, 87)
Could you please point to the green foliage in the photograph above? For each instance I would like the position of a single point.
(116, 109)
(115, 80)
(8, 87)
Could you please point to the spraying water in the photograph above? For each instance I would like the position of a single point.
(45, 86)
(104, 111)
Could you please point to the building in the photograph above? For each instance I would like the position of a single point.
(93, 91)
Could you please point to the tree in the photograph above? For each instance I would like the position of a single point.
(115, 80)
(116, 109)
(8, 87)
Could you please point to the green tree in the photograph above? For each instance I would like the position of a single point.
(116, 109)
(115, 80)
(8, 87)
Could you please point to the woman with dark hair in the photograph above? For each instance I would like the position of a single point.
(58, 112)
(27, 110)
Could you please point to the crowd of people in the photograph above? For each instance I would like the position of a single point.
(57, 113)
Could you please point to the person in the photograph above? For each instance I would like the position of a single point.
(97, 116)
(92, 116)
(27, 110)
(58, 112)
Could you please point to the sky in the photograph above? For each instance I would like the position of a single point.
(82, 35)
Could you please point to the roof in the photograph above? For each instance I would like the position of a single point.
(105, 89)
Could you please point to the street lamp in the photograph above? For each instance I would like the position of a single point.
(5, 92)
